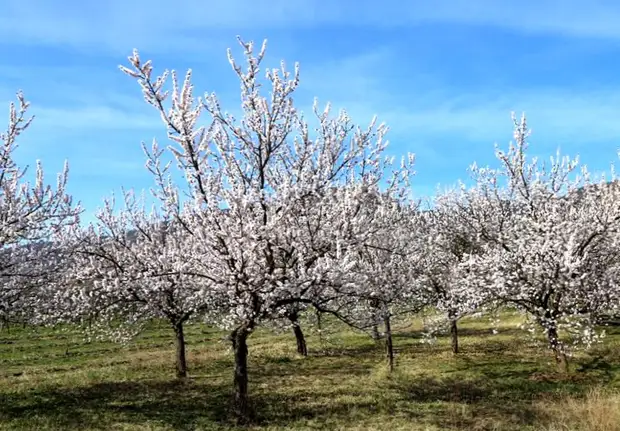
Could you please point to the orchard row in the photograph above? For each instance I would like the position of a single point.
(260, 220)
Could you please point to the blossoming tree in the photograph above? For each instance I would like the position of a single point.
(129, 266)
(381, 283)
(257, 205)
(449, 237)
(32, 215)
(549, 234)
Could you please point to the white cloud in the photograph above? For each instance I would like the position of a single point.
(581, 120)
(422, 109)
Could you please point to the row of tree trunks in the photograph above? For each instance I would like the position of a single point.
(241, 402)
(302, 349)
(239, 336)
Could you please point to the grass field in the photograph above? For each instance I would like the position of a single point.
(50, 380)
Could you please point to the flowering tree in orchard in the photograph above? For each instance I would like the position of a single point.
(389, 265)
(129, 267)
(31, 218)
(550, 234)
(449, 238)
(355, 295)
(273, 212)
(381, 281)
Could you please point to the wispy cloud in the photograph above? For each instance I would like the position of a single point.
(189, 24)
(450, 135)
(555, 117)
(418, 106)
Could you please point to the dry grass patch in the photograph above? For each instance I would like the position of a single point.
(598, 410)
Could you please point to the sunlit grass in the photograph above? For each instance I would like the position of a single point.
(503, 381)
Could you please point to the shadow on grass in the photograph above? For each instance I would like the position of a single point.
(490, 332)
(446, 403)
(602, 364)
(317, 368)
(483, 391)
(505, 403)
(173, 403)
(178, 405)
(204, 405)
(364, 350)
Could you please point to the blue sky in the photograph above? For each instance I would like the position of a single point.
(444, 75)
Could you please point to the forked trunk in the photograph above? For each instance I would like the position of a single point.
(181, 361)
(389, 348)
(241, 405)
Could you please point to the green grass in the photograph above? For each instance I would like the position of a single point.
(51, 380)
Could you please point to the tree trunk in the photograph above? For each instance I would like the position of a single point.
(5, 325)
(375, 332)
(554, 343)
(302, 349)
(454, 335)
(241, 405)
(375, 306)
(389, 348)
(181, 360)
(319, 327)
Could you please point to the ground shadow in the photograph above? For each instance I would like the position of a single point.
(195, 403)
(488, 385)
(508, 402)
(174, 403)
